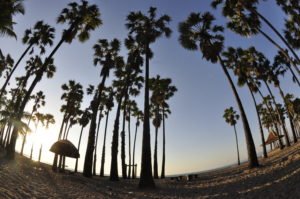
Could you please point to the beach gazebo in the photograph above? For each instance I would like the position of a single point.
(64, 148)
(272, 139)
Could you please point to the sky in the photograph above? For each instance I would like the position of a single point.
(197, 137)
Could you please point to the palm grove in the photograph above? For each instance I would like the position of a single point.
(130, 74)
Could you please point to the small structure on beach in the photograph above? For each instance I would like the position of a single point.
(64, 148)
(272, 139)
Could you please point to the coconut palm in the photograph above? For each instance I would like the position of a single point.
(83, 121)
(108, 106)
(39, 100)
(231, 117)
(107, 55)
(198, 32)
(9, 8)
(41, 35)
(82, 19)
(146, 29)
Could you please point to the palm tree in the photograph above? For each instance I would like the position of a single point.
(242, 62)
(39, 100)
(123, 156)
(9, 119)
(291, 32)
(279, 68)
(48, 119)
(107, 55)
(39, 117)
(101, 108)
(41, 36)
(146, 30)
(6, 65)
(155, 85)
(245, 20)
(169, 91)
(82, 19)
(83, 121)
(139, 117)
(231, 118)
(130, 107)
(157, 118)
(128, 82)
(197, 32)
(108, 106)
(72, 96)
(8, 9)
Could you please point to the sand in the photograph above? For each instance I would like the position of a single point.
(278, 177)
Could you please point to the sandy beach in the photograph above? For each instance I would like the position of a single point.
(278, 177)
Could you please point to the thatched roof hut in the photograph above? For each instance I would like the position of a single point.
(65, 148)
(273, 137)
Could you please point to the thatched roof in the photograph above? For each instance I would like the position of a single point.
(65, 148)
(272, 137)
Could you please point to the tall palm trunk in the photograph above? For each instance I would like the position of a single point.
(97, 137)
(40, 153)
(78, 147)
(11, 149)
(289, 115)
(103, 148)
(285, 54)
(114, 146)
(155, 164)
(260, 124)
(252, 156)
(13, 70)
(88, 161)
(7, 135)
(237, 145)
(54, 165)
(25, 136)
(133, 152)
(281, 120)
(31, 152)
(146, 178)
(2, 135)
(61, 128)
(123, 156)
(164, 146)
(32, 145)
(67, 131)
(280, 36)
(129, 145)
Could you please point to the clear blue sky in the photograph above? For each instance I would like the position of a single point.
(197, 136)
